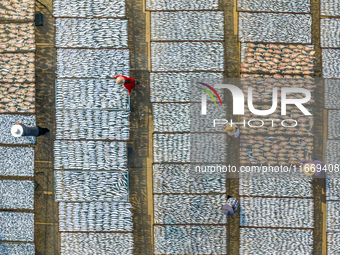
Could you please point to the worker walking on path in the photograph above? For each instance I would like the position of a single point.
(230, 207)
(19, 130)
(315, 167)
(129, 83)
(233, 131)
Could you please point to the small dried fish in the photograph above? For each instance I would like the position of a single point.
(16, 194)
(278, 6)
(333, 222)
(176, 87)
(187, 56)
(17, 248)
(91, 33)
(188, 209)
(187, 25)
(15, 94)
(17, 10)
(90, 155)
(333, 242)
(167, 5)
(268, 149)
(17, 161)
(88, 186)
(270, 241)
(277, 212)
(194, 239)
(17, 37)
(282, 60)
(89, 8)
(17, 67)
(87, 63)
(331, 63)
(17, 226)
(275, 27)
(95, 217)
(330, 8)
(95, 243)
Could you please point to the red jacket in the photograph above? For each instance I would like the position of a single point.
(129, 83)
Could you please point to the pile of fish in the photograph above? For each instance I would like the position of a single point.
(92, 124)
(279, 187)
(276, 212)
(330, 7)
(274, 150)
(178, 87)
(167, 5)
(333, 213)
(194, 239)
(333, 124)
(304, 125)
(6, 123)
(187, 25)
(15, 226)
(332, 93)
(17, 97)
(277, 58)
(275, 27)
(171, 117)
(286, 76)
(89, 107)
(89, 8)
(17, 248)
(16, 161)
(195, 148)
(331, 63)
(90, 155)
(208, 147)
(17, 10)
(275, 241)
(89, 186)
(330, 33)
(174, 178)
(89, 63)
(333, 243)
(91, 94)
(262, 87)
(205, 123)
(332, 154)
(16, 194)
(186, 117)
(17, 37)
(17, 67)
(96, 243)
(332, 187)
(17, 94)
(91, 33)
(94, 217)
(189, 209)
(187, 56)
(166, 148)
(274, 6)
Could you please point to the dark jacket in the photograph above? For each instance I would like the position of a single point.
(30, 131)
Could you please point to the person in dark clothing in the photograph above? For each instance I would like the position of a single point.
(19, 130)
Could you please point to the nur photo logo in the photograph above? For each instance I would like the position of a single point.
(238, 99)
(204, 96)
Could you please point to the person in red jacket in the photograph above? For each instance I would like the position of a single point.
(129, 83)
